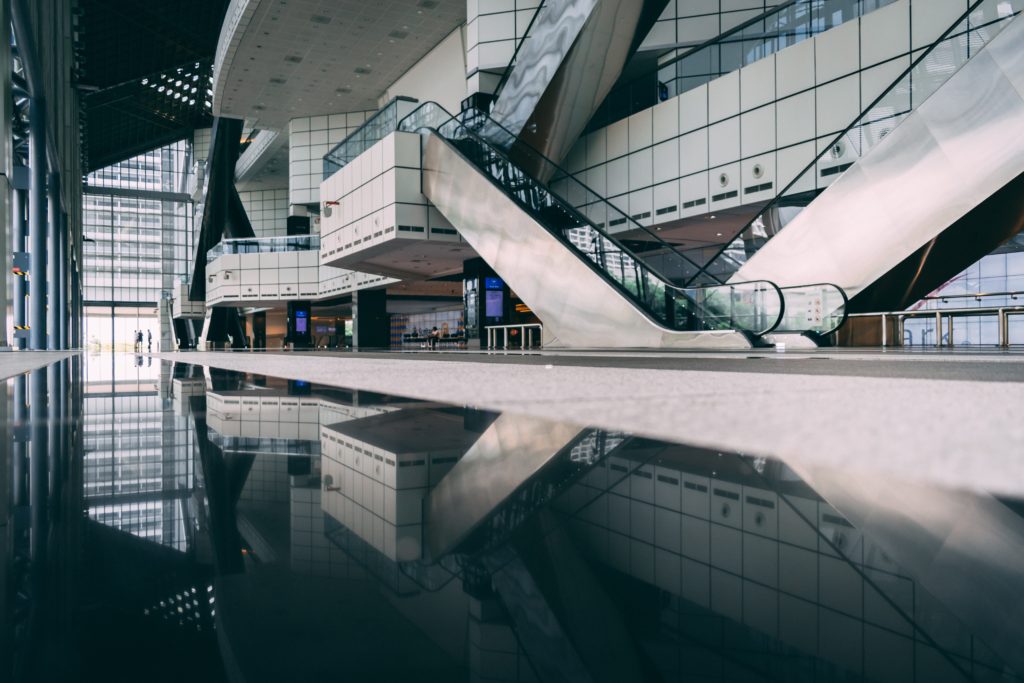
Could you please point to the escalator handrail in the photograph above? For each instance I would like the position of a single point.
(824, 285)
(686, 292)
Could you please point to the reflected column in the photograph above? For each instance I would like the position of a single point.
(38, 465)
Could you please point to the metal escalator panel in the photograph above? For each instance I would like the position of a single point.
(567, 64)
(932, 195)
(589, 290)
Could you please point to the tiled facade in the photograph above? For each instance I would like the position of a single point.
(743, 137)
(379, 201)
(267, 211)
(277, 277)
(309, 139)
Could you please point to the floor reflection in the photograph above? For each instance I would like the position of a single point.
(246, 528)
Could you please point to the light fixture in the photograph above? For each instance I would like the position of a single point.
(712, 217)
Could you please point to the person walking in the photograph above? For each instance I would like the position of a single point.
(149, 341)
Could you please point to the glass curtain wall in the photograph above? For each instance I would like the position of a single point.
(138, 225)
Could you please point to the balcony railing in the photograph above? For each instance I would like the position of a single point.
(264, 245)
(376, 128)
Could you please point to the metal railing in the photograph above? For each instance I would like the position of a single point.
(375, 129)
(525, 333)
(264, 245)
(898, 318)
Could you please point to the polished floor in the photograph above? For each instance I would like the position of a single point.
(166, 520)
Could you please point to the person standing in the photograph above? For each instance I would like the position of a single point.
(149, 341)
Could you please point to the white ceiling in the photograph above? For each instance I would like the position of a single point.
(295, 58)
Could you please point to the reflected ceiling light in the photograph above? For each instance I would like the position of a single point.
(711, 217)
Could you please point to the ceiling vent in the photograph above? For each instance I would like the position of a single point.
(362, 70)
(399, 34)
(277, 81)
(294, 59)
(427, 4)
(320, 19)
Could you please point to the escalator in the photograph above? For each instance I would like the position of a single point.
(936, 186)
(590, 289)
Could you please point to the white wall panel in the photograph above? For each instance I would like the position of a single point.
(838, 104)
(794, 68)
(840, 54)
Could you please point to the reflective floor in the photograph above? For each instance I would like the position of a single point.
(168, 522)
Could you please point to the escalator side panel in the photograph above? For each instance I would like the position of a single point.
(578, 307)
(574, 55)
(958, 149)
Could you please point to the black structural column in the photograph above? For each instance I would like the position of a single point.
(53, 264)
(19, 231)
(37, 224)
(370, 327)
(62, 281)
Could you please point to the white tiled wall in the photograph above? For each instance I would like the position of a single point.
(379, 200)
(309, 139)
(267, 211)
(378, 494)
(201, 144)
(754, 558)
(493, 29)
(284, 276)
(182, 306)
(692, 22)
(259, 416)
(740, 138)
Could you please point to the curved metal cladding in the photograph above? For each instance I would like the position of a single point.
(574, 54)
(935, 195)
(579, 307)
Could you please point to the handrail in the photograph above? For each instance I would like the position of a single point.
(838, 138)
(354, 138)
(1002, 314)
(687, 294)
(822, 286)
(263, 245)
(977, 297)
(519, 46)
(492, 336)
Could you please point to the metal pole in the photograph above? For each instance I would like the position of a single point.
(883, 331)
(949, 330)
(37, 224)
(52, 267)
(20, 289)
(938, 329)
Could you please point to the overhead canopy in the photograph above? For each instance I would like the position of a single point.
(141, 62)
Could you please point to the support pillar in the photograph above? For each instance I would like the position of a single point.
(19, 225)
(62, 289)
(370, 325)
(53, 263)
(37, 224)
